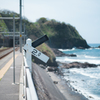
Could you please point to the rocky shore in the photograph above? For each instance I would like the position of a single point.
(76, 65)
(73, 64)
(45, 87)
(51, 86)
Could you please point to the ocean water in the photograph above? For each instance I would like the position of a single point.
(84, 80)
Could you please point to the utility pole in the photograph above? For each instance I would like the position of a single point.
(21, 26)
(24, 33)
(14, 49)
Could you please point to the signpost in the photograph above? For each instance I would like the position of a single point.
(40, 41)
(36, 53)
(33, 51)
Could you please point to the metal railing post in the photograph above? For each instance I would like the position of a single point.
(28, 54)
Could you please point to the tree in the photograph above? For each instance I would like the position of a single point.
(42, 20)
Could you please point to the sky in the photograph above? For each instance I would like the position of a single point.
(84, 15)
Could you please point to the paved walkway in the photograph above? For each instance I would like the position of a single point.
(8, 90)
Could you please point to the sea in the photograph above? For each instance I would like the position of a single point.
(85, 80)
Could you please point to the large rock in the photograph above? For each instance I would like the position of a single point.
(50, 69)
(78, 65)
(99, 46)
(70, 43)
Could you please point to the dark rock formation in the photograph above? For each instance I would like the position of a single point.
(69, 43)
(98, 46)
(78, 65)
(80, 48)
(50, 69)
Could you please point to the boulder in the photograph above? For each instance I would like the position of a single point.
(78, 65)
(50, 69)
(99, 46)
(80, 48)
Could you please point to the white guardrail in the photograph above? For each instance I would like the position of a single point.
(28, 85)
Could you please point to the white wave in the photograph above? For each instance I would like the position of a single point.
(90, 72)
(89, 49)
(91, 57)
(67, 49)
(96, 76)
(87, 56)
(74, 48)
(77, 85)
(64, 49)
(97, 48)
(70, 59)
(85, 92)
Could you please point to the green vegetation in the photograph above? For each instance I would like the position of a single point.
(46, 50)
(61, 35)
(3, 27)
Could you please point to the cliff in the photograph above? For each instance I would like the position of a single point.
(61, 35)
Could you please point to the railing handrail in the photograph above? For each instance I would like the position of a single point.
(30, 89)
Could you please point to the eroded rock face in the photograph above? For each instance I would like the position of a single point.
(78, 65)
(70, 43)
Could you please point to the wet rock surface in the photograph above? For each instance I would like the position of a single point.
(77, 65)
